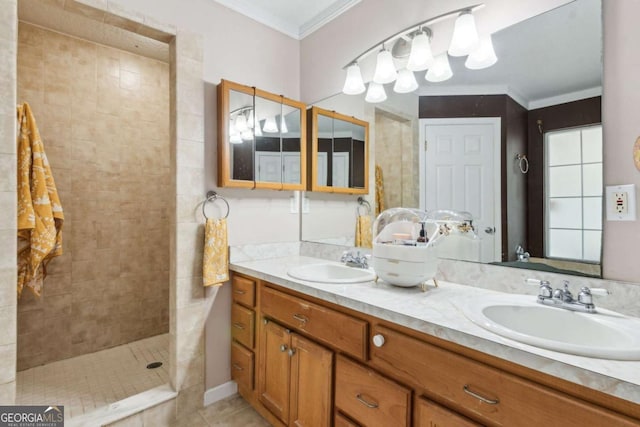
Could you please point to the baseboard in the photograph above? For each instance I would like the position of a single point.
(214, 394)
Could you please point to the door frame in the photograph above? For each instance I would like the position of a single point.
(497, 158)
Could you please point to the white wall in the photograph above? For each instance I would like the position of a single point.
(621, 128)
(239, 49)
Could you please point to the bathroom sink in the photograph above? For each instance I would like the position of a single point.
(331, 273)
(605, 334)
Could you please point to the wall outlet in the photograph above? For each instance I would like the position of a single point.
(621, 202)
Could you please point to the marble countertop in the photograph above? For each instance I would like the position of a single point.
(436, 312)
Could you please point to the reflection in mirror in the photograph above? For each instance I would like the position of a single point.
(324, 169)
(291, 144)
(241, 138)
(268, 158)
(533, 95)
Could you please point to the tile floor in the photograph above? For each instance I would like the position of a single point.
(233, 411)
(90, 381)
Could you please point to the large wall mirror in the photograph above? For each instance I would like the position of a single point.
(544, 92)
(262, 139)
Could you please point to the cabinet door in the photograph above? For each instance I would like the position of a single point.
(310, 383)
(273, 375)
(430, 414)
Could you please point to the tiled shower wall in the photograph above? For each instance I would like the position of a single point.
(103, 115)
(396, 153)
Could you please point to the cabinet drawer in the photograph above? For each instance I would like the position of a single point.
(242, 365)
(243, 291)
(336, 329)
(479, 391)
(242, 325)
(369, 398)
(430, 414)
(342, 421)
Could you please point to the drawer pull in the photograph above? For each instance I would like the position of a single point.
(468, 390)
(239, 292)
(283, 348)
(378, 340)
(365, 403)
(237, 367)
(292, 351)
(301, 318)
(238, 325)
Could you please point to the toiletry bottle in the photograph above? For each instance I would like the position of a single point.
(422, 238)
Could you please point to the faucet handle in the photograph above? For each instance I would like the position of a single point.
(601, 292)
(545, 290)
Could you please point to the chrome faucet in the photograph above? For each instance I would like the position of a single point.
(357, 260)
(563, 298)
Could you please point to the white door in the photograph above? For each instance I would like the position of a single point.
(322, 169)
(291, 167)
(340, 174)
(460, 170)
(269, 166)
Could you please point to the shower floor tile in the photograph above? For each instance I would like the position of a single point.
(87, 382)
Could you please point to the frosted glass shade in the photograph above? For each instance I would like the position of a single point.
(385, 69)
(483, 56)
(420, 57)
(283, 125)
(235, 139)
(257, 131)
(270, 125)
(375, 93)
(440, 70)
(251, 120)
(247, 135)
(241, 123)
(353, 84)
(465, 35)
(406, 82)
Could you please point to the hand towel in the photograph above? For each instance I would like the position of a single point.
(215, 262)
(363, 231)
(40, 214)
(379, 190)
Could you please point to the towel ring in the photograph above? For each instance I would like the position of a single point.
(363, 203)
(212, 196)
(523, 163)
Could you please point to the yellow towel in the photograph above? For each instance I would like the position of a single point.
(379, 190)
(215, 262)
(40, 215)
(363, 231)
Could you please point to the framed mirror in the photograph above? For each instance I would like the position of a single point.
(261, 139)
(338, 153)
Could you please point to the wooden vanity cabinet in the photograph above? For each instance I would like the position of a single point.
(294, 377)
(315, 367)
(243, 331)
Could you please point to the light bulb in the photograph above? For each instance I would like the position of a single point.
(420, 57)
(283, 125)
(385, 70)
(440, 70)
(353, 84)
(465, 35)
(406, 82)
(375, 93)
(270, 125)
(483, 57)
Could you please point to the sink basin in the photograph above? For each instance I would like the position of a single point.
(605, 335)
(331, 273)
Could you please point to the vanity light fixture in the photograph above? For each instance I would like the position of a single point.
(465, 35)
(483, 57)
(270, 125)
(440, 70)
(240, 123)
(353, 85)
(420, 57)
(406, 82)
(414, 42)
(375, 93)
(385, 69)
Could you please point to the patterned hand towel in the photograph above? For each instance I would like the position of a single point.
(40, 214)
(363, 231)
(215, 262)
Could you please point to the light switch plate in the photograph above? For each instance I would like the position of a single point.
(621, 202)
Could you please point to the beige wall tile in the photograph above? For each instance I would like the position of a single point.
(95, 116)
(8, 393)
(8, 172)
(7, 363)
(160, 415)
(8, 279)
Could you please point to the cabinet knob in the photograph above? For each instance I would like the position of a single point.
(378, 340)
(283, 348)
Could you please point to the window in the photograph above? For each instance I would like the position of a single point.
(573, 194)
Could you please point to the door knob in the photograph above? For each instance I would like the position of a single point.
(490, 230)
